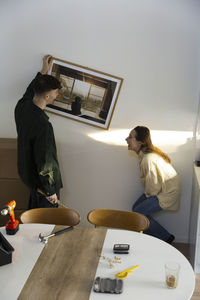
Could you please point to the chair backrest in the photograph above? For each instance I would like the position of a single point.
(118, 219)
(57, 216)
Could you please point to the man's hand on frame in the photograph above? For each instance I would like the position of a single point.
(46, 64)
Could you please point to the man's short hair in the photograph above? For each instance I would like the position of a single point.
(45, 83)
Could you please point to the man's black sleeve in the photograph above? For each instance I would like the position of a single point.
(46, 160)
(29, 94)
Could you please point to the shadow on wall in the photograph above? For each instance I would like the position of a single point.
(182, 160)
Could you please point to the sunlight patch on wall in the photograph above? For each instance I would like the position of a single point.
(112, 137)
(160, 138)
(171, 137)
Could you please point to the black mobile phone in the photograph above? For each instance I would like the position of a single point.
(121, 248)
(108, 285)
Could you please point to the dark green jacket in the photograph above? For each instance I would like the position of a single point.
(37, 156)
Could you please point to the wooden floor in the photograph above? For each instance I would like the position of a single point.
(184, 248)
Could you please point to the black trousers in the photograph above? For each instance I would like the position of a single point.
(37, 200)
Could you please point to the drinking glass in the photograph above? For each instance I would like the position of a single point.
(172, 270)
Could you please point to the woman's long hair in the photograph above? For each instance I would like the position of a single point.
(143, 135)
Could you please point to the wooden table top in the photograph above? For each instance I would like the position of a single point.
(66, 267)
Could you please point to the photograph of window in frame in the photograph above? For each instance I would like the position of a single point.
(87, 95)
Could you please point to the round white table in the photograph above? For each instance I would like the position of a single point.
(27, 250)
(147, 281)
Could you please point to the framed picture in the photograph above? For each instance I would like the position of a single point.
(87, 95)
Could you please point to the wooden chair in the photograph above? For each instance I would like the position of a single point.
(57, 216)
(118, 219)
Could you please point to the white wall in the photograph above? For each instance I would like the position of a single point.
(154, 46)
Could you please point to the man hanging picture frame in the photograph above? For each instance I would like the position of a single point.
(87, 95)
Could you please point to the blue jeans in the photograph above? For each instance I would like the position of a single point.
(148, 206)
